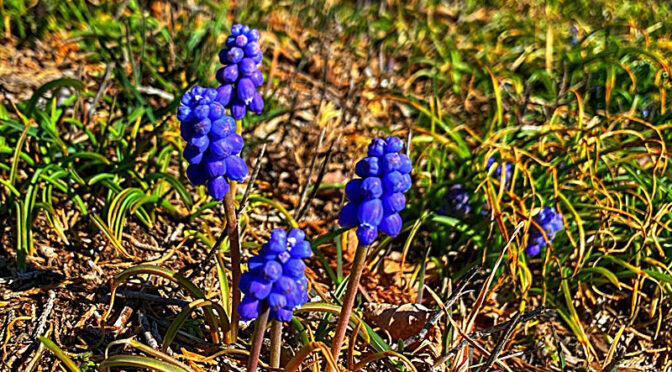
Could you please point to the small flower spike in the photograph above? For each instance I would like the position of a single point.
(277, 276)
(497, 174)
(240, 76)
(455, 202)
(377, 197)
(551, 222)
(212, 145)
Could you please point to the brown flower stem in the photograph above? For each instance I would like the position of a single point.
(258, 337)
(276, 343)
(348, 301)
(234, 245)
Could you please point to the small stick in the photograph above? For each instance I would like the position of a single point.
(250, 184)
(320, 176)
(258, 338)
(201, 265)
(152, 297)
(99, 93)
(304, 193)
(147, 332)
(436, 317)
(45, 315)
(243, 204)
(525, 317)
(500, 344)
(276, 343)
(348, 301)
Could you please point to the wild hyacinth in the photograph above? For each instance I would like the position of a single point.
(276, 277)
(455, 202)
(376, 198)
(240, 77)
(551, 222)
(212, 144)
(375, 201)
(574, 32)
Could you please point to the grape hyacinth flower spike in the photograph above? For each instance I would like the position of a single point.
(240, 76)
(551, 222)
(275, 284)
(497, 174)
(375, 200)
(212, 146)
(377, 197)
(455, 202)
(276, 277)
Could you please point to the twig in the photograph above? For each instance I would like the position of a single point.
(311, 169)
(525, 317)
(243, 204)
(437, 316)
(20, 276)
(42, 321)
(500, 344)
(152, 297)
(99, 93)
(320, 176)
(156, 92)
(147, 332)
(250, 184)
(204, 262)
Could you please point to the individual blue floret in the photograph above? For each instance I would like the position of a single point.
(240, 76)
(276, 276)
(212, 146)
(377, 197)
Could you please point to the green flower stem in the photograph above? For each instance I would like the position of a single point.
(276, 343)
(234, 244)
(348, 301)
(258, 337)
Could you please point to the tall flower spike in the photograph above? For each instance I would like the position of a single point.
(240, 76)
(551, 222)
(276, 276)
(212, 146)
(375, 199)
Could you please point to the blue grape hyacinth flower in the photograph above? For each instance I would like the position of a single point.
(276, 277)
(240, 76)
(574, 32)
(455, 202)
(212, 145)
(551, 222)
(497, 173)
(377, 197)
